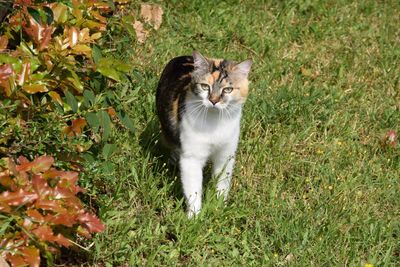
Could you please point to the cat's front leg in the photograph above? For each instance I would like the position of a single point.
(223, 163)
(191, 168)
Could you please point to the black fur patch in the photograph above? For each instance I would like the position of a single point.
(174, 82)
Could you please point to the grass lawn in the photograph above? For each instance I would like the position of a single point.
(314, 183)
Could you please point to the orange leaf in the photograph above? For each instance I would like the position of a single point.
(73, 34)
(63, 219)
(17, 198)
(4, 207)
(61, 240)
(111, 111)
(56, 97)
(31, 256)
(34, 30)
(34, 214)
(46, 37)
(15, 260)
(24, 164)
(35, 88)
(3, 42)
(92, 223)
(42, 163)
(77, 125)
(52, 205)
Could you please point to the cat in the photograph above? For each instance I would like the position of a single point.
(199, 105)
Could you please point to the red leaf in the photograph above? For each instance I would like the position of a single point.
(24, 164)
(46, 34)
(52, 173)
(92, 223)
(61, 240)
(34, 214)
(17, 198)
(63, 219)
(31, 255)
(40, 186)
(52, 205)
(5, 71)
(42, 163)
(71, 177)
(15, 260)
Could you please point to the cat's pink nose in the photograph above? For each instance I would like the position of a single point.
(214, 100)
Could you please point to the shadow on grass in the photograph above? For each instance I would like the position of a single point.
(151, 144)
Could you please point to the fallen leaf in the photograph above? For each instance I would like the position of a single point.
(141, 33)
(152, 14)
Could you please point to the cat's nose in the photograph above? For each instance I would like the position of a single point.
(214, 100)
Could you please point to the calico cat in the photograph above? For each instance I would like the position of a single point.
(199, 105)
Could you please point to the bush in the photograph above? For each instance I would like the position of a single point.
(56, 98)
(40, 210)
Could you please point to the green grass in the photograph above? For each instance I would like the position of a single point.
(313, 185)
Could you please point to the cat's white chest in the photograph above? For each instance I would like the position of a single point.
(202, 135)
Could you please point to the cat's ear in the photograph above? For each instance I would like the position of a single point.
(200, 62)
(243, 68)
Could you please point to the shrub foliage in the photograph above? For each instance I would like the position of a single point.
(56, 98)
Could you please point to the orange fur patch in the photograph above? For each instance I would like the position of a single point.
(175, 110)
(215, 75)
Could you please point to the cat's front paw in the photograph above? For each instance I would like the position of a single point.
(192, 213)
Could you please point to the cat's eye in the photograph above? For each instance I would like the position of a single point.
(227, 90)
(204, 86)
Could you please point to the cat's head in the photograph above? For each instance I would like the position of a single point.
(220, 83)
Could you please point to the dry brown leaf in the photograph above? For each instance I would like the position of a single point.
(152, 14)
(141, 33)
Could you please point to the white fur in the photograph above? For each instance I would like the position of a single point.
(207, 132)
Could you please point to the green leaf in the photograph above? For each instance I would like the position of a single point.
(75, 80)
(112, 68)
(108, 150)
(93, 120)
(89, 98)
(49, 14)
(96, 54)
(107, 167)
(126, 120)
(110, 73)
(105, 123)
(71, 101)
(35, 14)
